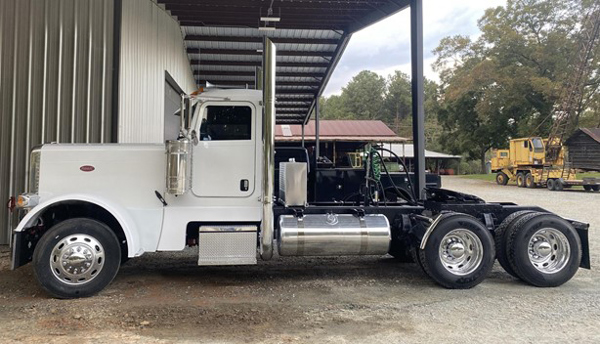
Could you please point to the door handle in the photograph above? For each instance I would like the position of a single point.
(244, 184)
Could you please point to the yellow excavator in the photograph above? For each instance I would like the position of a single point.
(533, 161)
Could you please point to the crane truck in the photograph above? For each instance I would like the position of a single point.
(89, 207)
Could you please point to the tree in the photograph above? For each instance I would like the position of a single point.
(363, 96)
(505, 83)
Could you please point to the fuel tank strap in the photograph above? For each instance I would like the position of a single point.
(364, 236)
(300, 248)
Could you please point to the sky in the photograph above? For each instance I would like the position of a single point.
(385, 46)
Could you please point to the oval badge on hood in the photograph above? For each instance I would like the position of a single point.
(87, 168)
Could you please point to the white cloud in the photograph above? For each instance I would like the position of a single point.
(385, 46)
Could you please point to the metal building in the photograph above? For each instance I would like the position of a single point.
(112, 70)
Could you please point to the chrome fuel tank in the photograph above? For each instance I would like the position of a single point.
(333, 235)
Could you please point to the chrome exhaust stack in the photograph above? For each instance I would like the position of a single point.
(266, 233)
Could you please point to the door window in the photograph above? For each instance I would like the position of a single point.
(226, 123)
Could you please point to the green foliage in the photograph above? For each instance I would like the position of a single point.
(502, 85)
(505, 84)
(369, 96)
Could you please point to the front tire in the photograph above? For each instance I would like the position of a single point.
(501, 178)
(459, 253)
(544, 250)
(76, 258)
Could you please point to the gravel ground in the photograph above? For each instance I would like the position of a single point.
(161, 298)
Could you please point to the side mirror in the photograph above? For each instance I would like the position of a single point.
(194, 137)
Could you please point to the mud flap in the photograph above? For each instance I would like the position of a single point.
(582, 231)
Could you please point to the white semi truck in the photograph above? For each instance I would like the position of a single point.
(90, 207)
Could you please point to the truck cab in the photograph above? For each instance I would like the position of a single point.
(527, 151)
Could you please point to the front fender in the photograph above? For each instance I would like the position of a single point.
(125, 220)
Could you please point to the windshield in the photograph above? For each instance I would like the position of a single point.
(538, 145)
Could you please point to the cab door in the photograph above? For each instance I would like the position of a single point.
(224, 159)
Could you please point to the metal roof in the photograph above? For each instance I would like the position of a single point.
(406, 150)
(339, 130)
(594, 133)
(224, 43)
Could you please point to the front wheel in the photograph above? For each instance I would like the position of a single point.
(501, 178)
(459, 253)
(76, 258)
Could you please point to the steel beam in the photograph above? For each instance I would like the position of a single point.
(249, 39)
(418, 111)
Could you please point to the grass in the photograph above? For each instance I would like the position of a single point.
(487, 177)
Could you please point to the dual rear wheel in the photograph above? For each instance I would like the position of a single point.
(459, 252)
(525, 180)
(541, 249)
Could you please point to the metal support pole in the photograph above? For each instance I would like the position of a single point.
(302, 135)
(418, 112)
(317, 147)
(317, 140)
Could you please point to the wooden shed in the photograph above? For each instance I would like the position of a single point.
(584, 149)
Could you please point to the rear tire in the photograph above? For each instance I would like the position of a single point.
(595, 188)
(529, 181)
(544, 250)
(520, 180)
(587, 187)
(550, 184)
(459, 253)
(500, 239)
(501, 178)
(558, 185)
(76, 258)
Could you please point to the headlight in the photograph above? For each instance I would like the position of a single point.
(34, 170)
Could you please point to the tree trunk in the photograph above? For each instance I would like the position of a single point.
(483, 161)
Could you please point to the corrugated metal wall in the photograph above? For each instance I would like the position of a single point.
(55, 81)
(151, 43)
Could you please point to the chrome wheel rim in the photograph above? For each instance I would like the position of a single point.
(77, 259)
(461, 252)
(549, 250)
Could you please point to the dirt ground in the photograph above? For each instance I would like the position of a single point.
(162, 298)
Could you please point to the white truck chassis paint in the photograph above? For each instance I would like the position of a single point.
(125, 220)
(125, 177)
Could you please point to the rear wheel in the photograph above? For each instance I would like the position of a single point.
(500, 239)
(587, 187)
(520, 180)
(543, 249)
(501, 178)
(529, 181)
(558, 185)
(76, 258)
(459, 253)
(550, 183)
(595, 188)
